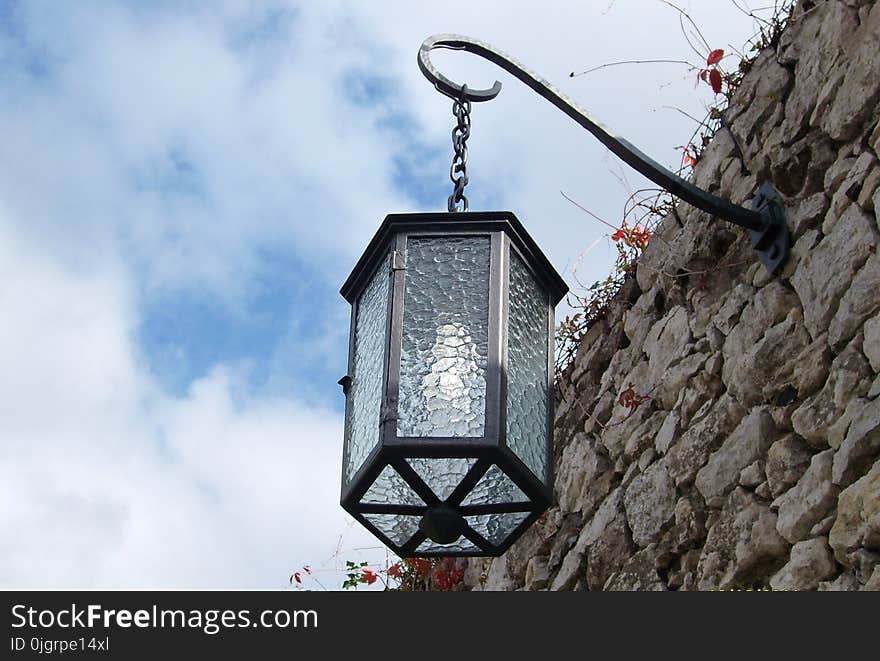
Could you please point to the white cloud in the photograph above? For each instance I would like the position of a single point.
(105, 481)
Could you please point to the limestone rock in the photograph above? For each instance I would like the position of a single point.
(849, 377)
(807, 213)
(643, 437)
(742, 546)
(860, 91)
(582, 472)
(811, 367)
(787, 459)
(567, 532)
(822, 528)
(640, 318)
(869, 191)
(752, 109)
(872, 342)
(734, 303)
(649, 502)
(873, 584)
(639, 573)
(860, 301)
(807, 503)
(682, 574)
(763, 491)
(846, 582)
(858, 518)
(537, 574)
(708, 172)
(688, 530)
(825, 274)
(668, 432)
(676, 377)
(810, 562)
(816, 44)
(693, 448)
(498, 579)
(752, 475)
(702, 390)
(749, 441)
(760, 373)
(665, 343)
(861, 445)
(608, 541)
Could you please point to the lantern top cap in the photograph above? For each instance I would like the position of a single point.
(444, 223)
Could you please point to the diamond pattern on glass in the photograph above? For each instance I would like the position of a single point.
(461, 545)
(445, 338)
(369, 361)
(397, 527)
(527, 392)
(494, 488)
(496, 527)
(442, 475)
(390, 488)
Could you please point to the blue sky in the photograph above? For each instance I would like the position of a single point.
(183, 189)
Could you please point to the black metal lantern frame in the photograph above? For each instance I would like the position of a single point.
(389, 487)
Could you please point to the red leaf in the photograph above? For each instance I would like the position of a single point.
(297, 577)
(715, 56)
(369, 576)
(715, 80)
(702, 75)
(394, 570)
(618, 235)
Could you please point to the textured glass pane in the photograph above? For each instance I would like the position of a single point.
(391, 489)
(369, 360)
(496, 527)
(459, 546)
(397, 527)
(442, 475)
(445, 338)
(527, 396)
(495, 488)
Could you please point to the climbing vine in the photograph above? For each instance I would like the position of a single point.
(645, 209)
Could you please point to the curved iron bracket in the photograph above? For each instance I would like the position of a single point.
(765, 220)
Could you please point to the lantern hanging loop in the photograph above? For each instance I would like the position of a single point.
(765, 221)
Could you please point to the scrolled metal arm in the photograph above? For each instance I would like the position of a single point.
(765, 221)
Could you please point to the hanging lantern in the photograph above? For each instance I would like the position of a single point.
(449, 399)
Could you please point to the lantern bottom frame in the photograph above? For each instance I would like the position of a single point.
(476, 538)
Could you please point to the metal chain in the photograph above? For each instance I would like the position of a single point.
(461, 109)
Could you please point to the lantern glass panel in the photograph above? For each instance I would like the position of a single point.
(495, 488)
(496, 527)
(461, 545)
(368, 369)
(399, 528)
(445, 341)
(442, 475)
(527, 388)
(391, 489)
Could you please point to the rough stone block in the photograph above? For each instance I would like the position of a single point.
(810, 562)
(650, 503)
(807, 503)
(825, 274)
(749, 441)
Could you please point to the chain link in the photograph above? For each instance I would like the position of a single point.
(461, 109)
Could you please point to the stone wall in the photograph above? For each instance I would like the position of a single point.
(753, 460)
